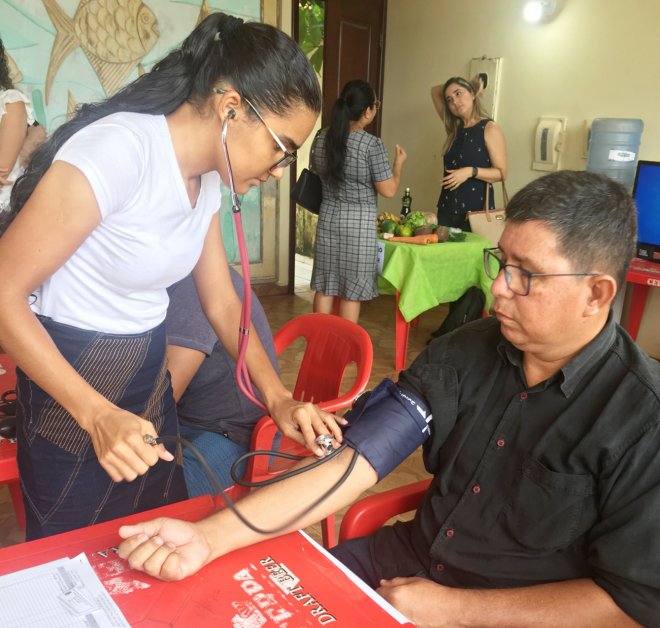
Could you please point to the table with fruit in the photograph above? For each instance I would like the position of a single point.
(425, 265)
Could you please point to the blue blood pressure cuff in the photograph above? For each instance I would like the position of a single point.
(387, 425)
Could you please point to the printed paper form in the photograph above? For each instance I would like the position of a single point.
(64, 593)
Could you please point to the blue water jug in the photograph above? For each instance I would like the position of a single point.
(614, 148)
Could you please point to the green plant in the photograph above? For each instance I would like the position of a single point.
(311, 15)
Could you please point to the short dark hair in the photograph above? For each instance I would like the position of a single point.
(593, 217)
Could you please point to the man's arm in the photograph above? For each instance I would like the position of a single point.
(182, 363)
(171, 550)
(574, 602)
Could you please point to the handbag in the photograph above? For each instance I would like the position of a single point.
(307, 191)
(489, 223)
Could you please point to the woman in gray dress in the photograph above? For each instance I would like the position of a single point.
(354, 168)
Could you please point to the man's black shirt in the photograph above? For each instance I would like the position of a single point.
(531, 485)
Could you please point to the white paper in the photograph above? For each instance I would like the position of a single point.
(64, 593)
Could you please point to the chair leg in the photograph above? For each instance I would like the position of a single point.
(17, 500)
(328, 532)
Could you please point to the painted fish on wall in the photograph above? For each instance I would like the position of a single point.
(114, 35)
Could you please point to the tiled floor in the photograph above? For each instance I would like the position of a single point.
(377, 318)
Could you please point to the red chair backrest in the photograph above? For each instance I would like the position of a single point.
(368, 514)
(332, 343)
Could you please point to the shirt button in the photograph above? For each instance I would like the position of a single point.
(439, 567)
(476, 489)
(523, 396)
(449, 532)
(501, 442)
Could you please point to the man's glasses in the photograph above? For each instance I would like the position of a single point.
(288, 157)
(517, 279)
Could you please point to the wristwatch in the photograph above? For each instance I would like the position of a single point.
(475, 172)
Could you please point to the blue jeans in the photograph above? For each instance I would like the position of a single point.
(219, 453)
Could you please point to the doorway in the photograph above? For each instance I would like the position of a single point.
(344, 40)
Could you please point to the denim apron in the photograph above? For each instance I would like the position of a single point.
(64, 486)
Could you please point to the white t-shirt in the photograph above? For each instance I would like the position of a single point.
(8, 96)
(149, 236)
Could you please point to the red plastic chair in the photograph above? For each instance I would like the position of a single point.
(368, 514)
(8, 466)
(332, 344)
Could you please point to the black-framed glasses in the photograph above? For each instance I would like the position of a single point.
(517, 279)
(288, 157)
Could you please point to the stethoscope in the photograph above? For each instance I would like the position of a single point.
(242, 375)
(245, 386)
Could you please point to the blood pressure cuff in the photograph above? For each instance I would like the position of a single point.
(387, 425)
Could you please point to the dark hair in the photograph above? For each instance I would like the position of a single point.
(593, 217)
(5, 79)
(356, 96)
(259, 61)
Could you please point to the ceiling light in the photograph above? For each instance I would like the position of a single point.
(538, 10)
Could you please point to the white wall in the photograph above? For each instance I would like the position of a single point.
(597, 58)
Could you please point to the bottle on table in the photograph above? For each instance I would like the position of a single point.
(406, 203)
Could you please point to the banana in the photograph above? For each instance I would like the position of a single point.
(387, 216)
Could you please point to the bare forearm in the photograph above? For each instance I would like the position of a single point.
(272, 506)
(576, 603)
(13, 129)
(438, 99)
(262, 373)
(489, 175)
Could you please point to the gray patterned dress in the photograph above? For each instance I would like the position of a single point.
(345, 260)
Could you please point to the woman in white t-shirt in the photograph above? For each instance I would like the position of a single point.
(119, 203)
(15, 116)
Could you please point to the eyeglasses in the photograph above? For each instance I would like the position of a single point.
(517, 279)
(288, 157)
(376, 105)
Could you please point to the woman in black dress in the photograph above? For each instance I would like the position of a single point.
(474, 151)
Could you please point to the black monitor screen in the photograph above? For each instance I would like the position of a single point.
(646, 193)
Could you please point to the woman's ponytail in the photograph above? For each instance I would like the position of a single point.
(356, 96)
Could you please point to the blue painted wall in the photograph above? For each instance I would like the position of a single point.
(29, 35)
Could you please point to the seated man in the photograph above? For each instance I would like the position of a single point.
(214, 415)
(543, 436)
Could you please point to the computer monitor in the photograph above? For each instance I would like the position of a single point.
(646, 193)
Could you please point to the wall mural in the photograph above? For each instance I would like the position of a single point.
(75, 51)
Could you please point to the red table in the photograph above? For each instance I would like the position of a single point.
(643, 275)
(286, 580)
(8, 466)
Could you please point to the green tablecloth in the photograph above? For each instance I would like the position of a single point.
(427, 275)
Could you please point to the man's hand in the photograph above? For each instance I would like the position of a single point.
(303, 422)
(422, 601)
(167, 549)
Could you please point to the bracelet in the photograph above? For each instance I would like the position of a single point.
(475, 172)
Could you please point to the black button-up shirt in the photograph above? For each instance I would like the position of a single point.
(554, 482)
